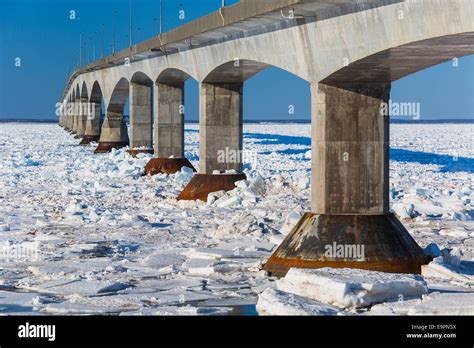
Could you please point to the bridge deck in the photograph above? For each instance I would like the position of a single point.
(243, 19)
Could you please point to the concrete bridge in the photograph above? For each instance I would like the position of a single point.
(349, 51)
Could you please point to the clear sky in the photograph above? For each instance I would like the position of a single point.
(42, 35)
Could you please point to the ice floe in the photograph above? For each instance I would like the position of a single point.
(351, 288)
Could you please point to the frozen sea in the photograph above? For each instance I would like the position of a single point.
(88, 234)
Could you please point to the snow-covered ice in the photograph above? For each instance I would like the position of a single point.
(276, 302)
(351, 288)
(445, 304)
(83, 233)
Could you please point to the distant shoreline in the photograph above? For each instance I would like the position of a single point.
(393, 121)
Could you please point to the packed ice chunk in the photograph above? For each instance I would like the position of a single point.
(188, 310)
(351, 288)
(16, 303)
(75, 208)
(459, 216)
(438, 268)
(241, 184)
(227, 203)
(249, 193)
(400, 307)
(85, 287)
(430, 209)
(460, 303)
(163, 259)
(303, 183)
(184, 176)
(276, 238)
(208, 267)
(257, 185)
(277, 302)
(187, 170)
(432, 250)
(452, 256)
(404, 211)
(224, 252)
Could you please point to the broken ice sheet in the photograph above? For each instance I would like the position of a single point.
(445, 304)
(16, 303)
(351, 288)
(107, 197)
(277, 302)
(64, 286)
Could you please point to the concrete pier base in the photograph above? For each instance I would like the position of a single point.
(202, 184)
(81, 126)
(114, 134)
(167, 165)
(320, 240)
(105, 146)
(350, 189)
(73, 125)
(135, 152)
(92, 130)
(87, 139)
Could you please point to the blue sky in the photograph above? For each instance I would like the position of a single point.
(42, 35)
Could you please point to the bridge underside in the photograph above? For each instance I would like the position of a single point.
(350, 134)
(350, 186)
(393, 64)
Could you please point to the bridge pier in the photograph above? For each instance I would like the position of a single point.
(74, 117)
(61, 119)
(141, 125)
(169, 130)
(220, 132)
(114, 133)
(92, 131)
(81, 119)
(350, 189)
(70, 123)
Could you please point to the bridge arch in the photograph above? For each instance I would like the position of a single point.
(96, 93)
(118, 98)
(82, 99)
(114, 132)
(94, 114)
(84, 92)
(394, 63)
(221, 112)
(78, 92)
(76, 95)
(235, 71)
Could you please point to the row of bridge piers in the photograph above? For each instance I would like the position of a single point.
(350, 170)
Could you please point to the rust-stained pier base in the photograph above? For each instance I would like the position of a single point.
(167, 165)
(350, 189)
(202, 184)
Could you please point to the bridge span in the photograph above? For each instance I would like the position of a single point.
(349, 51)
